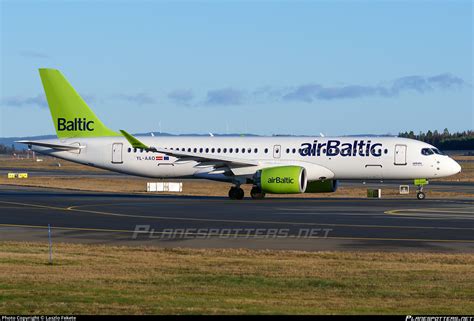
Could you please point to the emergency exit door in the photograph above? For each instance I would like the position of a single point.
(117, 153)
(400, 154)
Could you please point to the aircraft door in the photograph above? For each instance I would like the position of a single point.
(400, 154)
(117, 153)
(276, 151)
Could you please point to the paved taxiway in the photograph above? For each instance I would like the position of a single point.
(440, 186)
(307, 224)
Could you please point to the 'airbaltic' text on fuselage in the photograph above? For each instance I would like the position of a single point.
(335, 148)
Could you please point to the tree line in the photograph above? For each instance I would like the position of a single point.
(444, 140)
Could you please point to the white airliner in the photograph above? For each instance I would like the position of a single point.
(280, 165)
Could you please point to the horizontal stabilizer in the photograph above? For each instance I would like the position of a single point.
(50, 145)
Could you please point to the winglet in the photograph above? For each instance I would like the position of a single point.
(133, 141)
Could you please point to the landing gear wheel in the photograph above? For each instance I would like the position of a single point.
(420, 195)
(257, 193)
(236, 193)
(233, 193)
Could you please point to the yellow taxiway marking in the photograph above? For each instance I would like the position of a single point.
(237, 235)
(73, 209)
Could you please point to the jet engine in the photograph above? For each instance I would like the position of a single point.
(281, 180)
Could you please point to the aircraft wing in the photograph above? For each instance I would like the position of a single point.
(51, 145)
(189, 155)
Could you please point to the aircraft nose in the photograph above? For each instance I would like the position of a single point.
(456, 168)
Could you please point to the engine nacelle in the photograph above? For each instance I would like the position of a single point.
(324, 186)
(281, 180)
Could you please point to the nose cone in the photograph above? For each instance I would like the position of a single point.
(454, 167)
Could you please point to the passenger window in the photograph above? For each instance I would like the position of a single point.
(230, 150)
(255, 150)
(207, 150)
(266, 150)
(200, 150)
(195, 150)
(218, 150)
(294, 150)
(287, 150)
(225, 150)
(249, 150)
(243, 150)
(213, 150)
(129, 149)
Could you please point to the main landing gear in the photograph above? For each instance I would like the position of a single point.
(236, 193)
(257, 193)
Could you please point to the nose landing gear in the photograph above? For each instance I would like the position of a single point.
(420, 195)
(419, 190)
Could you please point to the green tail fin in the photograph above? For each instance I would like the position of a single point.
(71, 115)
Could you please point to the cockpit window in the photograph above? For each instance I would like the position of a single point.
(437, 151)
(426, 151)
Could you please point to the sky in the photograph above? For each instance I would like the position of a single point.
(286, 67)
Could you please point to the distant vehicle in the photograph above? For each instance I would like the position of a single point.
(280, 165)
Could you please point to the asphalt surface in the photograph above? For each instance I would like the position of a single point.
(433, 225)
(441, 186)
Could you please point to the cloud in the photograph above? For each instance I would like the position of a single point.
(38, 100)
(447, 81)
(306, 93)
(311, 92)
(16, 101)
(34, 54)
(181, 96)
(225, 96)
(139, 99)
